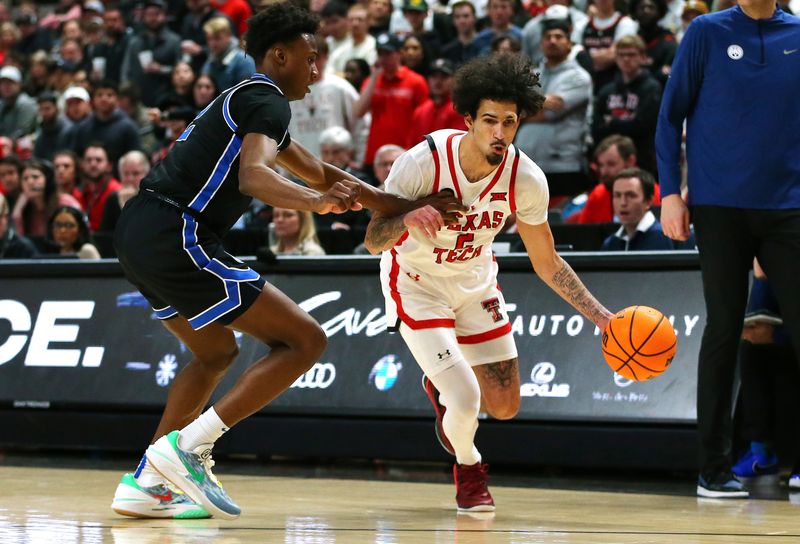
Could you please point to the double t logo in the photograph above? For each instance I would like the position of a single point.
(492, 306)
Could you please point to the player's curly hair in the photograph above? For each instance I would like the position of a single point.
(501, 77)
(280, 22)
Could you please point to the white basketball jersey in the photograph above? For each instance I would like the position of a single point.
(466, 245)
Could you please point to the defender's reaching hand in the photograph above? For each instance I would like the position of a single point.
(341, 197)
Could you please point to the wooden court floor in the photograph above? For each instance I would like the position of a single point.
(71, 506)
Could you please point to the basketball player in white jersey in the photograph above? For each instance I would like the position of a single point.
(441, 286)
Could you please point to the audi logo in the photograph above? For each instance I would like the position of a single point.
(543, 373)
(320, 376)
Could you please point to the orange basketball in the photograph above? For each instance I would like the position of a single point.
(639, 343)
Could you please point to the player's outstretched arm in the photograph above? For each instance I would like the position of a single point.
(384, 232)
(259, 180)
(321, 176)
(556, 273)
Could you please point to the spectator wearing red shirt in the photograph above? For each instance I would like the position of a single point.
(97, 183)
(238, 11)
(436, 112)
(391, 94)
(613, 155)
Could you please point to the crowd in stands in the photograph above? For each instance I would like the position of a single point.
(94, 92)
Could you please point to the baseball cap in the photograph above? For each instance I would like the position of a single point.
(76, 92)
(556, 11)
(443, 66)
(94, 5)
(557, 17)
(696, 5)
(12, 73)
(387, 42)
(415, 5)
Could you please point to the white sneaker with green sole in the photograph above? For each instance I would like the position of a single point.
(158, 501)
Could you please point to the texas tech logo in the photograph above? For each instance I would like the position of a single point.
(492, 306)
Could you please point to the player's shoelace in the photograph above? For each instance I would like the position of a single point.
(208, 464)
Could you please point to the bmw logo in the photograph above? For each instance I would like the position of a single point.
(384, 373)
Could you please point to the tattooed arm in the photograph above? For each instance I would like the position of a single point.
(432, 213)
(556, 273)
(384, 232)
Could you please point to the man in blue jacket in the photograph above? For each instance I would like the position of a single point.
(736, 80)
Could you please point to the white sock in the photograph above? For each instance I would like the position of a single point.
(146, 475)
(205, 430)
(460, 393)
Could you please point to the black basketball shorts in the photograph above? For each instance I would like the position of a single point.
(180, 266)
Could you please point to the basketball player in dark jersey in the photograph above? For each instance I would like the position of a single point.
(168, 242)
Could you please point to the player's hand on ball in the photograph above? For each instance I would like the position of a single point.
(341, 197)
(427, 219)
(639, 343)
(602, 322)
(446, 203)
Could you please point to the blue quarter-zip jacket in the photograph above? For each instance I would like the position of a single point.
(737, 82)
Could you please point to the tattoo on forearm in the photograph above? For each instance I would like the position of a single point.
(381, 231)
(502, 374)
(573, 290)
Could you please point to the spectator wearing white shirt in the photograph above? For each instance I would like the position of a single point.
(555, 136)
(330, 103)
(360, 44)
(333, 24)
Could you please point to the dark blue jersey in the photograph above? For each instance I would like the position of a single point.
(201, 171)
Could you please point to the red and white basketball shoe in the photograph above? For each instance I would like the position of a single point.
(472, 493)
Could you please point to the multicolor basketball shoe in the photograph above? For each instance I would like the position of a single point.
(158, 501)
(191, 472)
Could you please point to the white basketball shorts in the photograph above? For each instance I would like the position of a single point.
(445, 318)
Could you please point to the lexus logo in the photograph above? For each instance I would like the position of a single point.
(320, 376)
(543, 373)
(622, 381)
